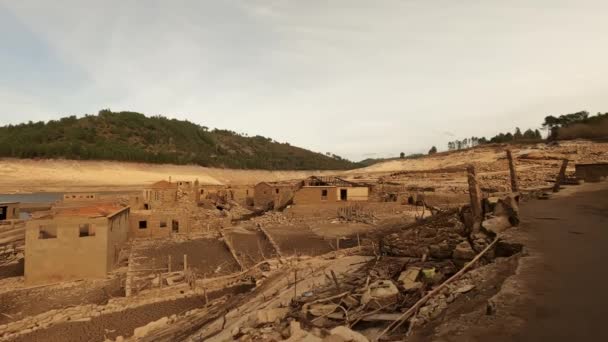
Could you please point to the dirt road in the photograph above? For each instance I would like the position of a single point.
(570, 297)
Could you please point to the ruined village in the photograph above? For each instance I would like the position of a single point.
(359, 255)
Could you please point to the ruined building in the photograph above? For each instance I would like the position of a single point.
(74, 243)
(316, 190)
(9, 211)
(274, 195)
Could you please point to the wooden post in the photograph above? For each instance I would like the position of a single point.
(205, 288)
(169, 264)
(512, 172)
(185, 262)
(475, 196)
(160, 279)
(295, 283)
(359, 242)
(337, 243)
(561, 175)
(333, 276)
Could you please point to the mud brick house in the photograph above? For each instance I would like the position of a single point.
(318, 190)
(9, 211)
(274, 195)
(75, 243)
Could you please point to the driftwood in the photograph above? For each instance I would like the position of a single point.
(397, 323)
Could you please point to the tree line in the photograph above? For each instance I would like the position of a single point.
(131, 136)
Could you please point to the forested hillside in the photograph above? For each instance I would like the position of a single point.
(129, 136)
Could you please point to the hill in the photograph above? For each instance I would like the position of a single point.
(129, 136)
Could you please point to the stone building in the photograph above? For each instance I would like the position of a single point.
(75, 243)
(157, 223)
(318, 190)
(159, 195)
(9, 211)
(274, 195)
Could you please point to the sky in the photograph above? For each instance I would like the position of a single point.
(358, 78)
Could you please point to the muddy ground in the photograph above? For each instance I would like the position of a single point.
(299, 239)
(251, 245)
(122, 323)
(21, 303)
(205, 256)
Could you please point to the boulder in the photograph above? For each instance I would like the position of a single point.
(463, 251)
(497, 224)
(321, 309)
(347, 334)
(465, 288)
(270, 315)
(381, 291)
(297, 334)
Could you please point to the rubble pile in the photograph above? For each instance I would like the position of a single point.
(438, 238)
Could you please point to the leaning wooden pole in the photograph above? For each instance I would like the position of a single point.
(560, 176)
(513, 173)
(475, 197)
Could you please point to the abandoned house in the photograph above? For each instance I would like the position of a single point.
(160, 194)
(274, 195)
(157, 223)
(75, 243)
(9, 211)
(315, 190)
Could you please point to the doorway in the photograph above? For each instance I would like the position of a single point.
(175, 226)
(343, 195)
(3, 213)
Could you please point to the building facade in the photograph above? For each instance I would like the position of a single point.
(9, 211)
(76, 243)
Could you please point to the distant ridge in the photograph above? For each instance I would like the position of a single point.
(130, 136)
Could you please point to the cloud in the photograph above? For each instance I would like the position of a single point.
(340, 76)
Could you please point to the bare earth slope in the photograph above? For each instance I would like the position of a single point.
(58, 175)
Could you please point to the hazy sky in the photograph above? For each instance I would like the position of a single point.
(358, 78)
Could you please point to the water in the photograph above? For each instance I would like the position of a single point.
(37, 197)
(48, 197)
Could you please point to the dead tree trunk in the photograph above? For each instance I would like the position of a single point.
(475, 196)
(560, 176)
(513, 173)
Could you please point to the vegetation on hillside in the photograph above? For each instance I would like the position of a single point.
(577, 125)
(129, 136)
